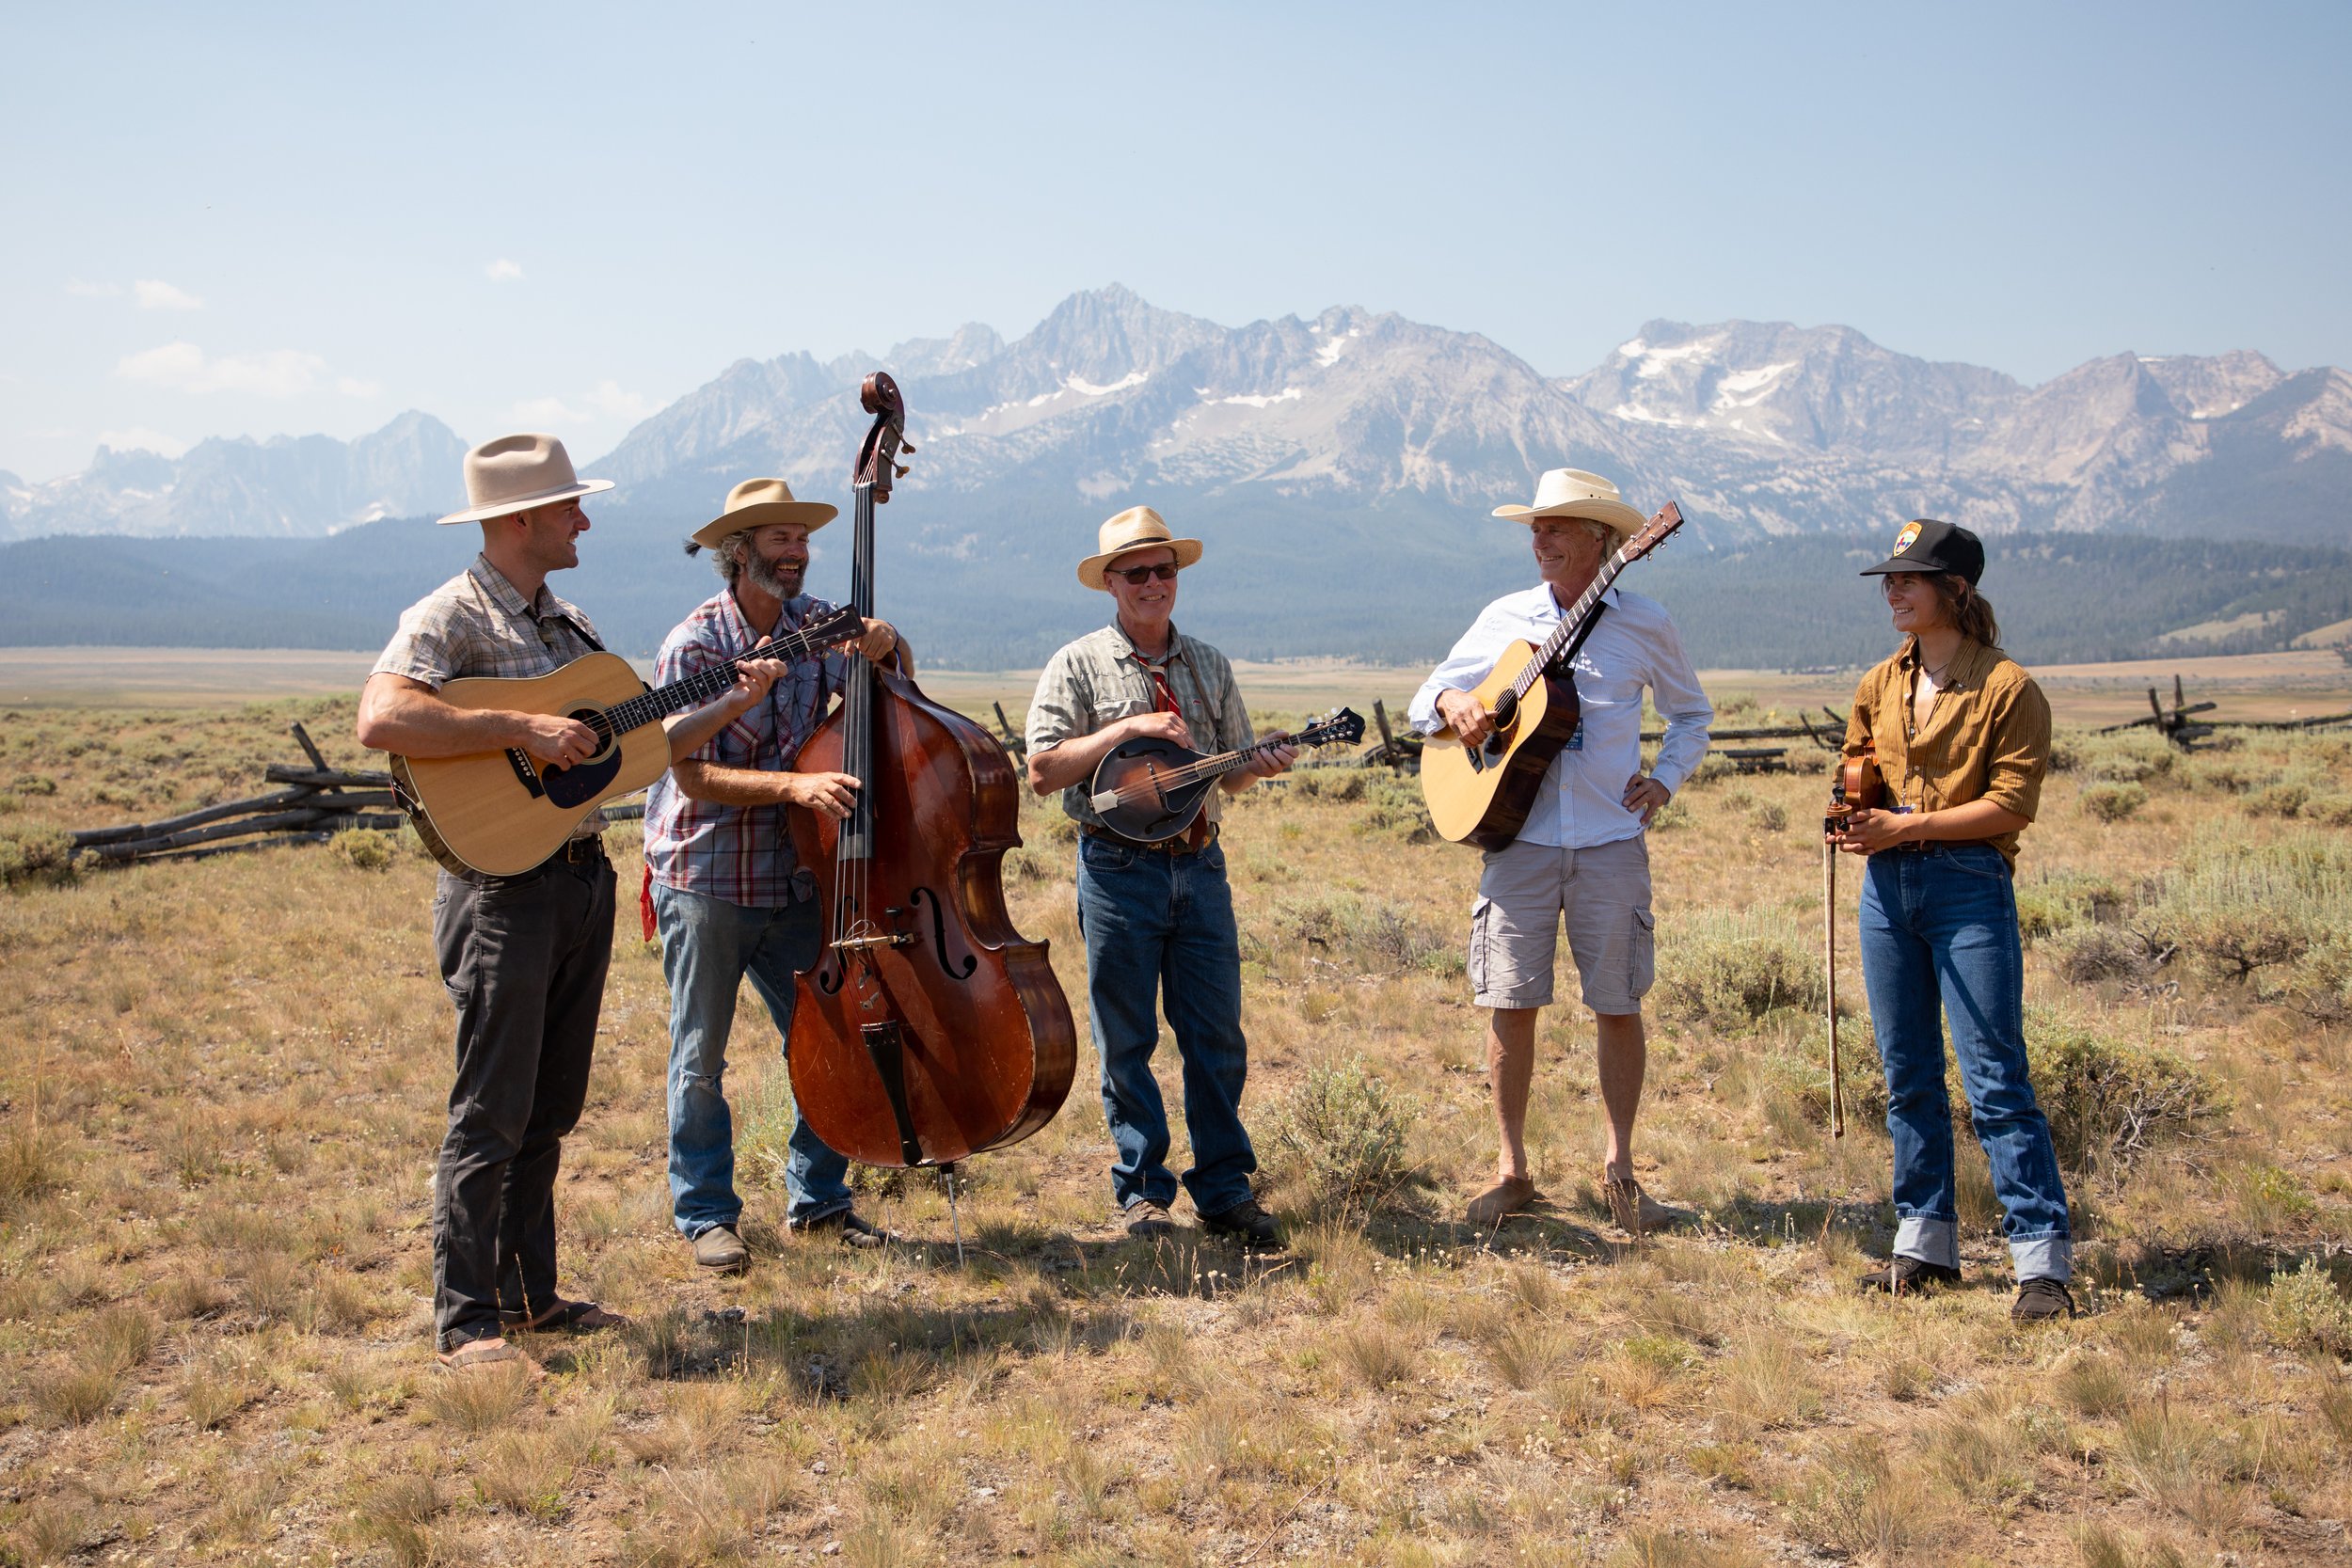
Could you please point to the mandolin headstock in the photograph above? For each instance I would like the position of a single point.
(1341, 726)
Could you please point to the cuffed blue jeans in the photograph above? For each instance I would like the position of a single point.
(709, 947)
(1940, 942)
(1159, 931)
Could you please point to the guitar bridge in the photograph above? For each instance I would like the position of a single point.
(520, 760)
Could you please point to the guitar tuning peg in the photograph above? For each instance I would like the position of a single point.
(902, 468)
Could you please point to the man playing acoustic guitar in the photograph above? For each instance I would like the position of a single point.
(524, 956)
(1582, 852)
(1156, 912)
(730, 898)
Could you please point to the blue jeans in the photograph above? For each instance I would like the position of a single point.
(1159, 928)
(707, 948)
(1939, 937)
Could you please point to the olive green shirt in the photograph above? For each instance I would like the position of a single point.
(1987, 735)
(1101, 678)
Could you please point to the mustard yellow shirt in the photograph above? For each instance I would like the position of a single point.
(1987, 738)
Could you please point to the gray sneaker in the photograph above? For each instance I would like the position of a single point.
(721, 1248)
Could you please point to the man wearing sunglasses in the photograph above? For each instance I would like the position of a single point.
(1158, 918)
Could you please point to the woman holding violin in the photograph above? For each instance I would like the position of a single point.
(1961, 738)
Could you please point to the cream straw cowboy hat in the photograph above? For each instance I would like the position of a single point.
(1574, 493)
(757, 503)
(1138, 527)
(516, 473)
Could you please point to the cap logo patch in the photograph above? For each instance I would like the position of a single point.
(1903, 540)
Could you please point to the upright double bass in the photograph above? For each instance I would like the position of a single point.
(929, 1029)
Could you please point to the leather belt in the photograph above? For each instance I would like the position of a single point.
(584, 850)
(1190, 841)
(1929, 847)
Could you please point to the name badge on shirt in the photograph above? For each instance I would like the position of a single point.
(1576, 742)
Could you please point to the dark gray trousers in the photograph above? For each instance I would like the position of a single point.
(524, 958)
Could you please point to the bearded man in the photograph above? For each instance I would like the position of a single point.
(728, 894)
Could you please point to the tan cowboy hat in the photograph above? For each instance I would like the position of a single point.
(1138, 527)
(757, 503)
(516, 473)
(1574, 493)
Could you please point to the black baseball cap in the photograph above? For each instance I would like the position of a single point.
(1928, 546)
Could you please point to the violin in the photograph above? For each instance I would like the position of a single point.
(928, 1029)
(1856, 785)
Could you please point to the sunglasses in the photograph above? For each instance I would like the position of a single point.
(1138, 575)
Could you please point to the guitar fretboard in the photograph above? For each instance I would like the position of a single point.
(1573, 623)
(706, 686)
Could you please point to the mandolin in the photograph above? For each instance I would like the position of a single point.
(502, 813)
(1481, 793)
(1150, 788)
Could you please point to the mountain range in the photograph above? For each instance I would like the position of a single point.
(1763, 427)
(1358, 439)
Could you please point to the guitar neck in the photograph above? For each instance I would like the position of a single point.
(703, 686)
(1572, 625)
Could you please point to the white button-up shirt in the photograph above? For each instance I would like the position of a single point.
(1634, 644)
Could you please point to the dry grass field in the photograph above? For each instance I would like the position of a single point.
(221, 1086)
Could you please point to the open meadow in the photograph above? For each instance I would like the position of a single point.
(221, 1087)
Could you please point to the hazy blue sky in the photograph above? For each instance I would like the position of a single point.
(240, 219)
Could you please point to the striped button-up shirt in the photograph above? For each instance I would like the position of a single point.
(739, 854)
(1101, 678)
(478, 624)
(1582, 803)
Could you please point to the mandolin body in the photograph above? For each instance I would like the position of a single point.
(1149, 808)
(1481, 795)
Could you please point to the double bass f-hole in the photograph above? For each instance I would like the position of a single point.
(939, 936)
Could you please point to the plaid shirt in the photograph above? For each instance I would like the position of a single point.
(1101, 678)
(739, 854)
(478, 624)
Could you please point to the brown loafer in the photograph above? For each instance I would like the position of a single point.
(1499, 1202)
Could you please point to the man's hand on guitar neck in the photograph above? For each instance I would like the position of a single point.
(1466, 716)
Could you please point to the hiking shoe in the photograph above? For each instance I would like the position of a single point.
(721, 1248)
(1909, 1277)
(2041, 1300)
(1147, 1220)
(1507, 1197)
(852, 1231)
(1247, 1220)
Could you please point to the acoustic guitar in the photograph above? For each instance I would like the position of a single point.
(1481, 793)
(1150, 788)
(502, 813)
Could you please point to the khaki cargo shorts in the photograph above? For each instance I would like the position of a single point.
(1515, 928)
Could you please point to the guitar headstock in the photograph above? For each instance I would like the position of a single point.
(839, 625)
(1651, 534)
(1341, 725)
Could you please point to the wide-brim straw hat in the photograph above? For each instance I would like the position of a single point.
(1138, 527)
(1574, 493)
(516, 473)
(757, 503)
